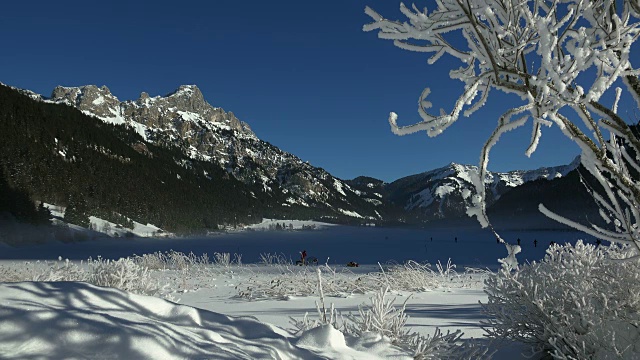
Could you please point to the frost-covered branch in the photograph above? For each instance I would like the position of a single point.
(546, 52)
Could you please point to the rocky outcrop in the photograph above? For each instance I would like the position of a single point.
(96, 101)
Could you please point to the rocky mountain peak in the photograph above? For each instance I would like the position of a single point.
(187, 90)
(89, 98)
(189, 98)
(184, 109)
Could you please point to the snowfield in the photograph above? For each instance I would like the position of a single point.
(249, 305)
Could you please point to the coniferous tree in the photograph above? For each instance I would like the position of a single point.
(43, 214)
(76, 213)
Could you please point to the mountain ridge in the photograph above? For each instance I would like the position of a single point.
(446, 191)
(184, 120)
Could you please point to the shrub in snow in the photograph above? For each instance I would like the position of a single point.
(298, 281)
(414, 276)
(274, 259)
(171, 260)
(152, 261)
(382, 317)
(61, 271)
(579, 302)
(124, 274)
(510, 262)
(386, 320)
(326, 316)
(222, 259)
(411, 276)
(225, 260)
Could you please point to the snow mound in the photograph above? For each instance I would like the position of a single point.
(76, 320)
(330, 343)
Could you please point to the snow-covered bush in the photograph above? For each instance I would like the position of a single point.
(381, 317)
(225, 260)
(410, 276)
(62, 270)
(327, 316)
(270, 259)
(181, 261)
(124, 274)
(170, 260)
(152, 261)
(579, 302)
(41, 271)
(414, 276)
(299, 281)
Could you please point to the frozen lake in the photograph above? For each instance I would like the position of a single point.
(366, 245)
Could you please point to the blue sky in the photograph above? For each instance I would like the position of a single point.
(302, 74)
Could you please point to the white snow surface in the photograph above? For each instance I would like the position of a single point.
(297, 224)
(350, 213)
(76, 320)
(109, 228)
(139, 229)
(338, 185)
(72, 320)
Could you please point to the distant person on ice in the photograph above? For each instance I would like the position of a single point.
(303, 255)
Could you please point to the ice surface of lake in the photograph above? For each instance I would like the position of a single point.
(340, 244)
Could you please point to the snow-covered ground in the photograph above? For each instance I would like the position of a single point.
(78, 320)
(270, 224)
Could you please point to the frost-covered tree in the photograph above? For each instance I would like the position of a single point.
(560, 57)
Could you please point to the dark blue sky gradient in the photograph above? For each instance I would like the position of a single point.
(302, 74)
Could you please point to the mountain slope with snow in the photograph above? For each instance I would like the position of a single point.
(278, 184)
(184, 119)
(445, 192)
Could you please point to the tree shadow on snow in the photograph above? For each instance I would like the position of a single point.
(78, 320)
(447, 315)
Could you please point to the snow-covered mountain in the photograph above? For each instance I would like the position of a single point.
(444, 192)
(184, 119)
